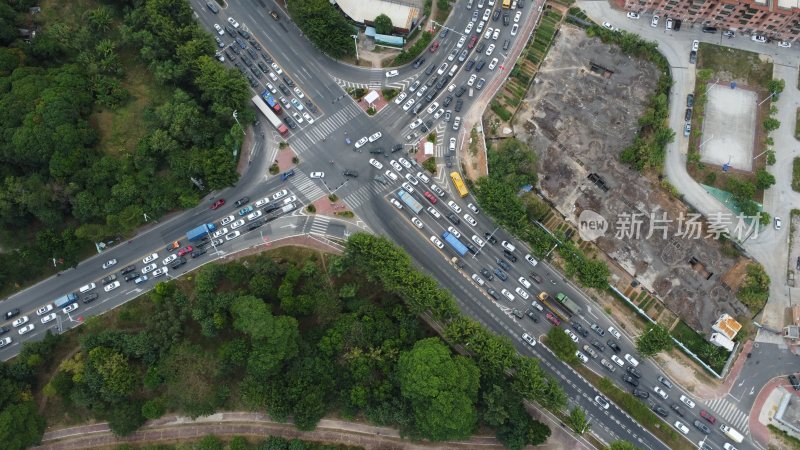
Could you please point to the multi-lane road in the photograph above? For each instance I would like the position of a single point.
(338, 119)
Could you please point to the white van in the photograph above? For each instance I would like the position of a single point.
(453, 70)
(531, 260)
(87, 287)
(392, 73)
(508, 246)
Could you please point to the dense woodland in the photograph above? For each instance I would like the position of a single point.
(105, 115)
(294, 335)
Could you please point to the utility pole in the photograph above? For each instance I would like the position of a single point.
(236, 118)
(355, 43)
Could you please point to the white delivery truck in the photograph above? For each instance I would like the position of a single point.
(732, 434)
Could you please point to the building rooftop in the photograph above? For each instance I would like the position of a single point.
(788, 4)
(727, 326)
(402, 13)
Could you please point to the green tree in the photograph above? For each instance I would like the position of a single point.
(776, 86)
(125, 417)
(577, 420)
(764, 179)
(442, 390)
(655, 339)
(754, 291)
(21, 426)
(324, 26)
(622, 445)
(383, 24)
(771, 124)
(559, 342)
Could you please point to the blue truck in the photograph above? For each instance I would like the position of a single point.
(454, 243)
(203, 230)
(61, 302)
(410, 201)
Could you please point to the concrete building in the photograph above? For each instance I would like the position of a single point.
(787, 417)
(405, 14)
(727, 326)
(775, 19)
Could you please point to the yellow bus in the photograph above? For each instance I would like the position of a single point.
(459, 184)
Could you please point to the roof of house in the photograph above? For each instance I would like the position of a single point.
(401, 13)
(727, 326)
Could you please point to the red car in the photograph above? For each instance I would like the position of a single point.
(431, 198)
(185, 250)
(218, 203)
(553, 319)
(435, 46)
(173, 246)
(473, 41)
(706, 415)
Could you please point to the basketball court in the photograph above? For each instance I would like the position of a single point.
(729, 127)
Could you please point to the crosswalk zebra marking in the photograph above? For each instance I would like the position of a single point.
(730, 413)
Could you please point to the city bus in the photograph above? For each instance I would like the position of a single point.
(459, 184)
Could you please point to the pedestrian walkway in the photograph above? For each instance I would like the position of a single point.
(319, 225)
(325, 128)
(306, 187)
(725, 409)
(364, 193)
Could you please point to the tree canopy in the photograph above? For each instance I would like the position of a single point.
(324, 26)
(383, 24)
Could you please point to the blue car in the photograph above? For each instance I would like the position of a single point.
(246, 210)
(285, 175)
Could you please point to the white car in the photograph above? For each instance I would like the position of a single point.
(237, 224)
(162, 271)
(284, 101)
(26, 329)
(433, 107)
(395, 203)
(149, 268)
(110, 287)
(219, 232)
(396, 165)
(298, 93)
(432, 211)
(437, 242)
(488, 33)
(22, 320)
(415, 124)
(411, 179)
(375, 163)
(479, 28)
(316, 175)
(571, 335)
(422, 91)
(524, 281)
(522, 293)
(777, 223)
(423, 177)
(784, 44)
(270, 87)
(409, 104)
(695, 45)
(391, 175)
(219, 29)
(617, 360)
(438, 113)
(660, 392)
(468, 29)
(487, 13)
(601, 402)
(392, 73)
(758, 38)
(517, 16)
(633, 15)
(608, 26)
(461, 41)
(291, 199)
(169, 259)
(493, 64)
(631, 360)
(404, 162)
(456, 123)
(279, 194)
(470, 220)
(375, 136)
(273, 77)
(507, 295)
(478, 279)
(452, 55)
(50, 317)
(70, 308)
(681, 427)
(687, 401)
(474, 209)
(417, 222)
(614, 332)
(227, 220)
(442, 69)
(233, 22)
(232, 235)
(496, 34)
(109, 263)
(362, 141)
(472, 79)
(261, 202)
(490, 50)
(400, 98)
(654, 22)
(150, 258)
(414, 86)
(454, 207)
(408, 188)
(276, 68)
(529, 339)
(44, 309)
(453, 231)
(514, 29)
(478, 241)
(308, 117)
(581, 356)
(452, 145)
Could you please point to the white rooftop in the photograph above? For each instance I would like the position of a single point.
(401, 13)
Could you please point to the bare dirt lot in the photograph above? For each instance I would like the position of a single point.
(580, 113)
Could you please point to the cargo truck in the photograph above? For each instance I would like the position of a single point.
(410, 201)
(61, 302)
(279, 212)
(454, 243)
(201, 231)
(732, 434)
(568, 304)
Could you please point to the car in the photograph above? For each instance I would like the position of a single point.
(237, 224)
(447, 115)
(524, 282)
(490, 50)
(687, 401)
(44, 309)
(687, 129)
(614, 332)
(784, 44)
(233, 22)
(314, 175)
(21, 321)
(279, 194)
(111, 286)
(360, 143)
(665, 382)
(452, 55)
(470, 220)
(299, 107)
(488, 33)
(794, 382)
(631, 360)
(613, 345)
(109, 263)
(477, 279)
(590, 351)
(632, 15)
(129, 277)
(571, 335)
(169, 259)
(413, 125)
(481, 47)
(529, 339)
(226, 220)
(654, 21)
(438, 113)
(522, 293)
(420, 93)
(695, 45)
(777, 223)
(486, 273)
(219, 29)
(437, 242)
(404, 162)
(375, 136)
(579, 329)
(495, 34)
(430, 197)
(758, 38)
(459, 104)
(149, 268)
(597, 329)
(660, 392)
(608, 365)
(221, 231)
(726, 446)
(553, 319)
(710, 30)
(392, 73)
(407, 106)
(500, 274)
(514, 29)
(407, 186)
(702, 427)
(149, 259)
(617, 360)
(217, 204)
(246, 210)
(395, 165)
(5, 341)
(598, 345)
(693, 57)
(472, 79)
(402, 96)
(463, 55)
(632, 370)
(70, 308)
(630, 380)
(640, 393)
(690, 100)
(411, 179)
(601, 401)
(492, 65)
(707, 415)
(507, 295)
(28, 328)
(608, 25)
(456, 123)
(681, 427)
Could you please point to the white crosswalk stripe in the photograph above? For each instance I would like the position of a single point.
(333, 123)
(728, 411)
(350, 84)
(319, 225)
(306, 187)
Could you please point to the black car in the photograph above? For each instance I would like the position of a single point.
(480, 65)
(448, 161)
(288, 81)
(630, 380)
(690, 100)
(311, 106)
(640, 393)
(198, 252)
(472, 249)
(234, 49)
(490, 237)
(613, 346)
(702, 427)
(178, 262)
(511, 257)
(13, 313)
(397, 148)
(247, 61)
(451, 217)
(496, 15)
(350, 173)
(254, 43)
(430, 69)
(263, 66)
(506, 44)
(447, 100)
(241, 43)
(376, 151)
(130, 276)
(252, 53)
(243, 33)
(598, 345)
(505, 19)
(284, 89)
(255, 224)
(266, 57)
(660, 411)
(579, 328)
(271, 207)
(431, 81)
(677, 408)
(481, 47)
(632, 370)
(289, 122)
(688, 115)
(676, 24)
(128, 269)
(109, 279)
(532, 314)
(418, 63)
(794, 381)
(693, 57)
(230, 54)
(241, 202)
(493, 293)
(4, 329)
(444, 32)
(486, 274)
(231, 31)
(536, 278)
(459, 105)
(460, 91)
(500, 274)
(94, 295)
(469, 65)
(500, 262)
(710, 30)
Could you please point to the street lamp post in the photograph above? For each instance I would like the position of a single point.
(236, 118)
(355, 43)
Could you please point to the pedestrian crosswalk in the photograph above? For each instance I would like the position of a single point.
(319, 225)
(728, 412)
(376, 81)
(363, 194)
(306, 187)
(324, 128)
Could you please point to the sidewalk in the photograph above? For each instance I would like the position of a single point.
(765, 407)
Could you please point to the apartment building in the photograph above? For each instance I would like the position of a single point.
(775, 19)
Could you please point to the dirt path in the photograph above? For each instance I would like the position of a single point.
(176, 429)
